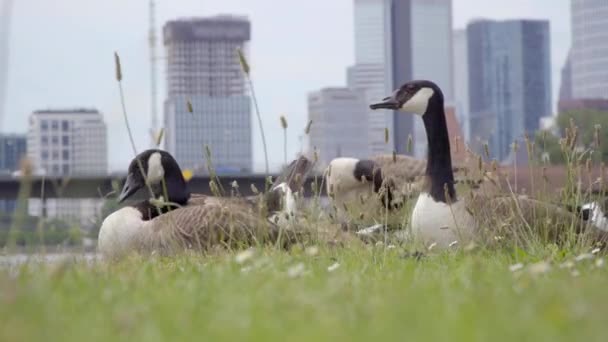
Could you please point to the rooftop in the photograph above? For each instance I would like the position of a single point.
(68, 111)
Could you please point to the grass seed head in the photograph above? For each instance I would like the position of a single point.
(243, 61)
(117, 67)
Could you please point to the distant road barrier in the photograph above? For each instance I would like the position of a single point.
(98, 187)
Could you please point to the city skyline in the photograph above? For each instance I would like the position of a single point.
(83, 76)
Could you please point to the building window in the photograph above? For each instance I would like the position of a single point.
(66, 154)
(55, 140)
(66, 169)
(55, 155)
(44, 125)
(65, 125)
(65, 140)
(45, 155)
(54, 125)
(55, 169)
(44, 140)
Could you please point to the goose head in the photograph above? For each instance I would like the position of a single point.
(425, 98)
(158, 170)
(417, 97)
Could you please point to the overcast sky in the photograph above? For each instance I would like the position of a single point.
(61, 55)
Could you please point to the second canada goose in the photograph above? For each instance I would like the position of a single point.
(175, 219)
(441, 216)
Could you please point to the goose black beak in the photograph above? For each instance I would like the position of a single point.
(388, 103)
(129, 188)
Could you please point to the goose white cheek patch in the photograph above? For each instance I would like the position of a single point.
(156, 172)
(419, 102)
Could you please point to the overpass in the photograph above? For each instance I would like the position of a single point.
(102, 186)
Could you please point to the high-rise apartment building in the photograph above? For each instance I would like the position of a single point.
(68, 143)
(510, 83)
(203, 69)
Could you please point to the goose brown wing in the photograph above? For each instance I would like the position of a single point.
(204, 226)
(519, 214)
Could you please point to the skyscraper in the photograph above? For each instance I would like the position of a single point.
(510, 83)
(461, 81)
(203, 69)
(371, 73)
(340, 124)
(401, 40)
(421, 36)
(589, 49)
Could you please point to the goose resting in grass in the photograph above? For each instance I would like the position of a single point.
(176, 220)
(441, 216)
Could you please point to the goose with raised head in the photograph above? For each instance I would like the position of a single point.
(441, 216)
(174, 219)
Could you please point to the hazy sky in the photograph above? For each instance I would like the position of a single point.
(61, 55)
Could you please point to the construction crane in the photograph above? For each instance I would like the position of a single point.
(5, 24)
(152, 38)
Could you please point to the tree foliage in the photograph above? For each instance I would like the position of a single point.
(591, 132)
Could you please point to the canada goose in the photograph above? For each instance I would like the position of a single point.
(439, 215)
(175, 219)
(352, 179)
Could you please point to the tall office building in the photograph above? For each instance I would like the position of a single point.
(461, 81)
(203, 69)
(340, 119)
(68, 143)
(12, 150)
(510, 85)
(421, 34)
(372, 70)
(405, 40)
(565, 87)
(589, 49)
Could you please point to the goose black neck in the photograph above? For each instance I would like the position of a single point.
(439, 162)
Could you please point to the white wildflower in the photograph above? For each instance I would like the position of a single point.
(295, 270)
(431, 246)
(539, 267)
(568, 264)
(391, 247)
(312, 250)
(584, 256)
(244, 256)
(333, 267)
(595, 251)
(599, 262)
(516, 267)
(453, 243)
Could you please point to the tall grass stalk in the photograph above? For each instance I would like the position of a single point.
(118, 69)
(246, 70)
(284, 126)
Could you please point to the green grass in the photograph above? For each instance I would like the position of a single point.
(375, 293)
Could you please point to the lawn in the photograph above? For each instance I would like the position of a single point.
(360, 293)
